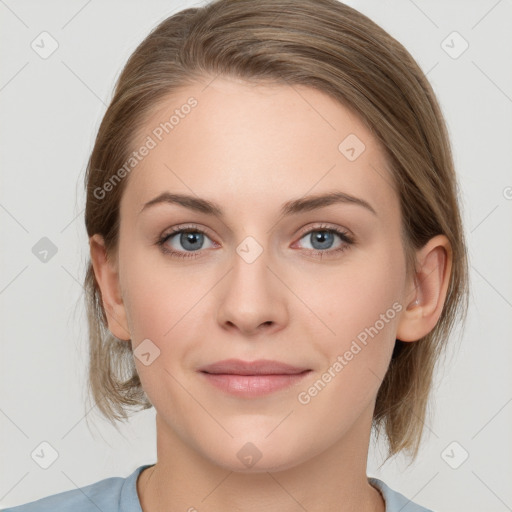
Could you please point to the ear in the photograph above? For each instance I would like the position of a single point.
(107, 276)
(427, 290)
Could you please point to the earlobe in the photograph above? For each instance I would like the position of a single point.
(107, 276)
(428, 290)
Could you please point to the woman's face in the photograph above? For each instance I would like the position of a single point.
(262, 274)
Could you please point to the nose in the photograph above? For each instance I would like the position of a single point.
(252, 298)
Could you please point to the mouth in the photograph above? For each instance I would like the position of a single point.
(252, 378)
(259, 367)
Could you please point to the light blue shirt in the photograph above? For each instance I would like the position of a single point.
(118, 494)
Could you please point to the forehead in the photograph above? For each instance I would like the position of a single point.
(259, 144)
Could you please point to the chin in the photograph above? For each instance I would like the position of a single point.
(258, 456)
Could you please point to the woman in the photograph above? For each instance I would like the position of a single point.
(277, 259)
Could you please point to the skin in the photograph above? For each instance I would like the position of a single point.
(250, 148)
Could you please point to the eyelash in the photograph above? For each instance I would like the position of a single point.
(345, 237)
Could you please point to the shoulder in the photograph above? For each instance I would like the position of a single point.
(112, 494)
(100, 495)
(395, 501)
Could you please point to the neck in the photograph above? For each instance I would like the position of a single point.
(334, 480)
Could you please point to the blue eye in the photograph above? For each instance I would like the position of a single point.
(191, 239)
(322, 239)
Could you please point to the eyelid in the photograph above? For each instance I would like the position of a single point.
(186, 227)
(303, 231)
(327, 227)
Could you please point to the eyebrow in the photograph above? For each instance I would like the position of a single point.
(292, 207)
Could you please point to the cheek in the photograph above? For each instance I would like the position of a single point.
(163, 304)
(351, 298)
(157, 295)
(362, 309)
(370, 311)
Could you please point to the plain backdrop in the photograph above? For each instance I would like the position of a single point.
(51, 109)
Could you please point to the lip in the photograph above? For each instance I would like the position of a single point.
(252, 378)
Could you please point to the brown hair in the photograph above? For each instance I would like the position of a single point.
(329, 46)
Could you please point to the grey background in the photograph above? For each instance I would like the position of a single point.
(51, 109)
